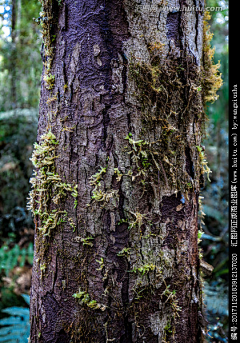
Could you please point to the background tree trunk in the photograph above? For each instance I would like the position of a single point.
(119, 163)
(13, 54)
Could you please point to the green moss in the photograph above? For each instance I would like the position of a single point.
(47, 19)
(118, 173)
(87, 241)
(137, 221)
(49, 80)
(168, 327)
(48, 191)
(100, 195)
(160, 88)
(95, 179)
(211, 77)
(84, 298)
(203, 162)
(72, 224)
(158, 84)
(144, 269)
(124, 252)
(171, 299)
(101, 264)
(47, 185)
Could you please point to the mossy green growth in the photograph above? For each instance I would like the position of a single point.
(203, 162)
(101, 264)
(171, 297)
(75, 195)
(101, 196)
(98, 193)
(46, 21)
(49, 80)
(42, 268)
(140, 154)
(47, 186)
(95, 179)
(118, 173)
(87, 241)
(124, 252)
(169, 329)
(84, 298)
(200, 233)
(144, 269)
(161, 88)
(211, 77)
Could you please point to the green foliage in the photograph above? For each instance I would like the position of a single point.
(10, 258)
(95, 179)
(47, 184)
(144, 269)
(124, 252)
(15, 167)
(101, 264)
(87, 241)
(16, 327)
(20, 59)
(8, 297)
(84, 298)
(203, 162)
(20, 74)
(218, 111)
(168, 327)
(215, 204)
(212, 80)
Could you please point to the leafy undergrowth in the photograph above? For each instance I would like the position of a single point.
(214, 242)
(16, 327)
(17, 133)
(15, 269)
(15, 280)
(11, 257)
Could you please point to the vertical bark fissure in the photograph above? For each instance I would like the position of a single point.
(106, 121)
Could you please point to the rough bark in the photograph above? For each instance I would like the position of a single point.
(121, 93)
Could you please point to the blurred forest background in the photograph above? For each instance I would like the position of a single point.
(20, 75)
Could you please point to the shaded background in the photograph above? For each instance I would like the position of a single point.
(20, 74)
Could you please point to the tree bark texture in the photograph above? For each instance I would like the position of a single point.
(115, 192)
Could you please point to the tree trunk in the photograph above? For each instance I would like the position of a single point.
(118, 169)
(13, 56)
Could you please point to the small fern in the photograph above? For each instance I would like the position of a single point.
(11, 258)
(16, 328)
